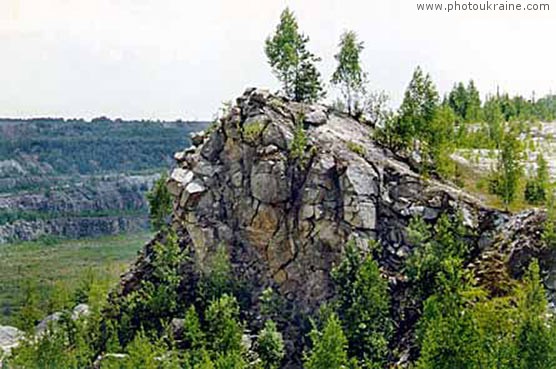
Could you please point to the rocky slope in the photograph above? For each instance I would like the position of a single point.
(285, 201)
(541, 139)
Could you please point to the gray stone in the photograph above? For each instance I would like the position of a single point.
(317, 116)
(179, 178)
(180, 156)
(269, 183)
(80, 311)
(213, 146)
(195, 187)
(47, 323)
(360, 179)
(9, 339)
(177, 326)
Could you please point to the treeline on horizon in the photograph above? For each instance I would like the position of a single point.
(49, 147)
(101, 119)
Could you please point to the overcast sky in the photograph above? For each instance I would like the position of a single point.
(167, 59)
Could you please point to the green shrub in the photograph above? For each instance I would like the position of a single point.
(432, 247)
(160, 203)
(363, 305)
(356, 148)
(252, 131)
(329, 349)
(270, 346)
(299, 143)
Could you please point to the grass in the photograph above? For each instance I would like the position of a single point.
(356, 148)
(476, 183)
(50, 264)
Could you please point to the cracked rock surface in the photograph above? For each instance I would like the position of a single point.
(287, 219)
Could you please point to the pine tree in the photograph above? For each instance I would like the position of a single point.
(509, 169)
(473, 111)
(329, 347)
(448, 335)
(418, 108)
(549, 231)
(30, 312)
(440, 142)
(142, 353)
(458, 100)
(349, 75)
(224, 330)
(193, 336)
(494, 120)
(363, 306)
(433, 247)
(291, 62)
(534, 342)
(536, 189)
(270, 346)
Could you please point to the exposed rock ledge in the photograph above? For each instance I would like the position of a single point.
(285, 221)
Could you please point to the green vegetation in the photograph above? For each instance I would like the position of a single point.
(509, 169)
(363, 305)
(549, 232)
(465, 102)
(461, 325)
(157, 297)
(39, 275)
(10, 216)
(292, 63)
(349, 76)
(439, 143)
(424, 128)
(417, 110)
(160, 203)
(72, 147)
(252, 131)
(435, 246)
(329, 347)
(356, 148)
(270, 346)
(461, 328)
(298, 149)
(538, 187)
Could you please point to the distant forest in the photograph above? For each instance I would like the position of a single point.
(75, 146)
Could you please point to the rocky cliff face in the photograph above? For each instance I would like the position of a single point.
(284, 186)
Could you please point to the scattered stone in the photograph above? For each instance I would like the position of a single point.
(179, 178)
(47, 323)
(80, 311)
